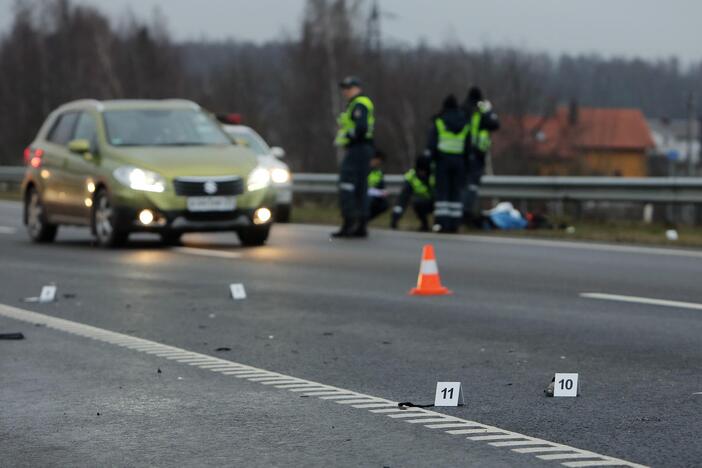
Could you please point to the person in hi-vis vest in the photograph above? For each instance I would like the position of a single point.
(355, 135)
(418, 185)
(447, 146)
(483, 122)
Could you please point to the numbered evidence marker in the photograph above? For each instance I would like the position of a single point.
(448, 394)
(48, 294)
(237, 290)
(566, 385)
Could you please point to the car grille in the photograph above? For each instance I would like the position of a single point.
(208, 186)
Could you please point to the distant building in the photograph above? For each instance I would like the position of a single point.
(581, 141)
(674, 142)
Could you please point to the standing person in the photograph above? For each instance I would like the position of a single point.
(355, 135)
(377, 195)
(447, 146)
(418, 186)
(483, 121)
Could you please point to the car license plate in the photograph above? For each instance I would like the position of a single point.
(211, 203)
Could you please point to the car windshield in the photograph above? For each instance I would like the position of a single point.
(167, 127)
(251, 141)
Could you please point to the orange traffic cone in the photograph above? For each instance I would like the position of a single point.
(428, 282)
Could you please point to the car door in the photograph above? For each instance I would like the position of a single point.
(81, 169)
(54, 162)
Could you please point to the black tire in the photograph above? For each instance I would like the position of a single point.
(171, 238)
(254, 236)
(283, 213)
(106, 234)
(38, 228)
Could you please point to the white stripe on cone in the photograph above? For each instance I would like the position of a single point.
(428, 267)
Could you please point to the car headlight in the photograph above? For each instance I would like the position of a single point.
(140, 179)
(280, 175)
(259, 179)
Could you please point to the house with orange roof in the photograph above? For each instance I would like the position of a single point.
(582, 141)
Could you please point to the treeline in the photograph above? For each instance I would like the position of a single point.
(58, 51)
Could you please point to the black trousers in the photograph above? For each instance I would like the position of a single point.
(450, 182)
(378, 206)
(353, 182)
(423, 208)
(471, 205)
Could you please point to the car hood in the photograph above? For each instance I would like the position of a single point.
(271, 162)
(194, 161)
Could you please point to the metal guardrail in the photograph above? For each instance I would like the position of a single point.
(643, 190)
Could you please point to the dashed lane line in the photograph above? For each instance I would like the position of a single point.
(7, 230)
(642, 300)
(450, 425)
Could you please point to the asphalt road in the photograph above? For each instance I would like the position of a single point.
(337, 314)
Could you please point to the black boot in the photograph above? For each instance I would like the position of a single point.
(345, 230)
(361, 230)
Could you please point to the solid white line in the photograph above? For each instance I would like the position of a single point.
(565, 456)
(497, 437)
(469, 431)
(550, 448)
(425, 415)
(7, 230)
(373, 405)
(642, 300)
(516, 443)
(451, 425)
(207, 252)
(592, 463)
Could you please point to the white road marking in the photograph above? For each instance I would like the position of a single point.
(642, 300)
(328, 393)
(564, 456)
(7, 230)
(550, 448)
(207, 252)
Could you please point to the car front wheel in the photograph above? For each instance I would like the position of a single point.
(38, 228)
(254, 236)
(106, 233)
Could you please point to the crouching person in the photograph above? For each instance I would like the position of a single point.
(418, 186)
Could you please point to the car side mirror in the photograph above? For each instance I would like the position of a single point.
(278, 152)
(79, 146)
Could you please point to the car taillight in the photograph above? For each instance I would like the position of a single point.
(33, 156)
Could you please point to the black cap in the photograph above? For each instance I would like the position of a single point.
(450, 102)
(475, 94)
(350, 82)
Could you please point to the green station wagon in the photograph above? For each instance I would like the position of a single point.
(143, 166)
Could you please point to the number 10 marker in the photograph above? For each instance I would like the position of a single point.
(566, 385)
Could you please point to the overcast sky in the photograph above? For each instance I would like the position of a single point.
(647, 28)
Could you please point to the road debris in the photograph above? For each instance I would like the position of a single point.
(11, 336)
(222, 349)
(549, 390)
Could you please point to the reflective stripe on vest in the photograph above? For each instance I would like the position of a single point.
(347, 125)
(419, 188)
(450, 142)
